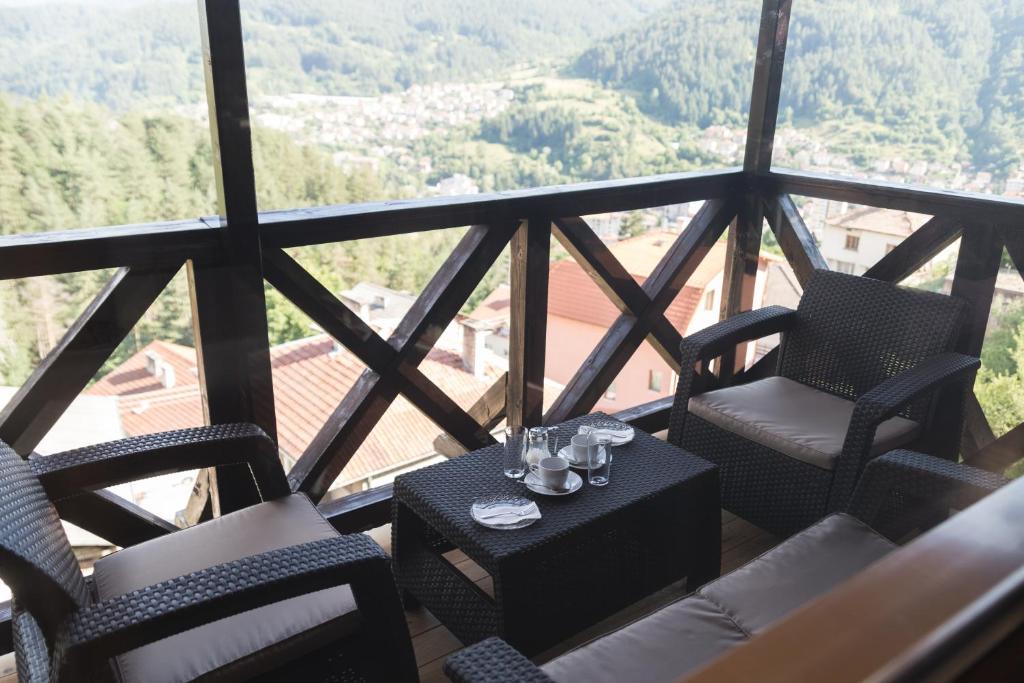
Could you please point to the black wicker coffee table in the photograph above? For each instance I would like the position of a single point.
(593, 552)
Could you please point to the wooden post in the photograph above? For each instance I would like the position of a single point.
(531, 253)
(764, 96)
(745, 232)
(229, 309)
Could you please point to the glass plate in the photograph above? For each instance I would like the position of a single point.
(489, 504)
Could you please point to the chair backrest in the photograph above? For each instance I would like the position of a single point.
(855, 332)
(36, 559)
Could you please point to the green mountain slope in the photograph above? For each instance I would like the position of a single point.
(939, 74)
(121, 56)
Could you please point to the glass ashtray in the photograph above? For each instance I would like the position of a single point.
(504, 511)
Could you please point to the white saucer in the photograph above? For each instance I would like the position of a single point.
(482, 506)
(574, 483)
(576, 464)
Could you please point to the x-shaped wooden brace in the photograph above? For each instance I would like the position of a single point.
(392, 364)
(642, 306)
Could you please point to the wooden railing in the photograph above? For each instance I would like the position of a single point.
(229, 257)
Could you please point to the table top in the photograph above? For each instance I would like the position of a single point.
(443, 493)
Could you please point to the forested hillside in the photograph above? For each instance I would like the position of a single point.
(122, 56)
(68, 165)
(943, 75)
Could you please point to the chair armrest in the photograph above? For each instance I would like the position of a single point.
(885, 401)
(895, 483)
(492, 660)
(715, 340)
(96, 467)
(98, 632)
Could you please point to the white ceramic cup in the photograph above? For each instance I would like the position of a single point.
(581, 444)
(552, 472)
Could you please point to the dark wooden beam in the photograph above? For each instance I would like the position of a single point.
(230, 313)
(977, 265)
(528, 321)
(918, 249)
(360, 511)
(628, 331)
(79, 355)
(615, 282)
(148, 245)
(969, 206)
(419, 330)
(339, 321)
(297, 227)
(487, 411)
(113, 518)
(740, 275)
(1001, 453)
(794, 237)
(767, 85)
(650, 417)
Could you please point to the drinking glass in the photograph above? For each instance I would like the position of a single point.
(514, 463)
(599, 454)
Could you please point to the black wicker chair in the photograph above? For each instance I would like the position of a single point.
(860, 366)
(890, 498)
(271, 592)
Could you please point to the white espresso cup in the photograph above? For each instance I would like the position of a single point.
(552, 472)
(581, 444)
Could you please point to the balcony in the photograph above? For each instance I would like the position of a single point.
(229, 257)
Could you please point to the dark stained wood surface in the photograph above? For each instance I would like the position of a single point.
(616, 283)
(629, 330)
(918, 249)
(969, 206)
(342, 323)
(794, 237)
(415, 335)
(741, 260)
(229, 308)
(767, 85)
(297, 227)
(530, 252)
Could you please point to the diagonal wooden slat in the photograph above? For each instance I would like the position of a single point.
(794, 237)
(1013, 240)
(488, 411)
(628, 331)
(915, 251)
(597, 260)
(339, 321)
(67, 369)
(530, 252)
(743, 248)
(419, 330)
(111, 517)
(1001, 453)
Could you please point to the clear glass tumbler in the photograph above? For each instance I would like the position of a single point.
(514, 463)
(599, 453)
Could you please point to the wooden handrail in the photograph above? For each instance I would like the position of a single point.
(886, 195)
(898, 613)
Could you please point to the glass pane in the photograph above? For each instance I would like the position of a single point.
(101, 117)
(922, 92)
(478, 97)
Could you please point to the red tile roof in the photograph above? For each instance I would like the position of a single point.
(311, 376)
(572, 293)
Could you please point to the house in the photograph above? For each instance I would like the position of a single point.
(854, 240)
(579, 315)
(157, 389)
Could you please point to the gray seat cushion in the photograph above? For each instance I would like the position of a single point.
(796, 571)
(237, 644)
(793, 419)
(687, 634)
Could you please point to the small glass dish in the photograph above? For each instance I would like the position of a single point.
(504, 511)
